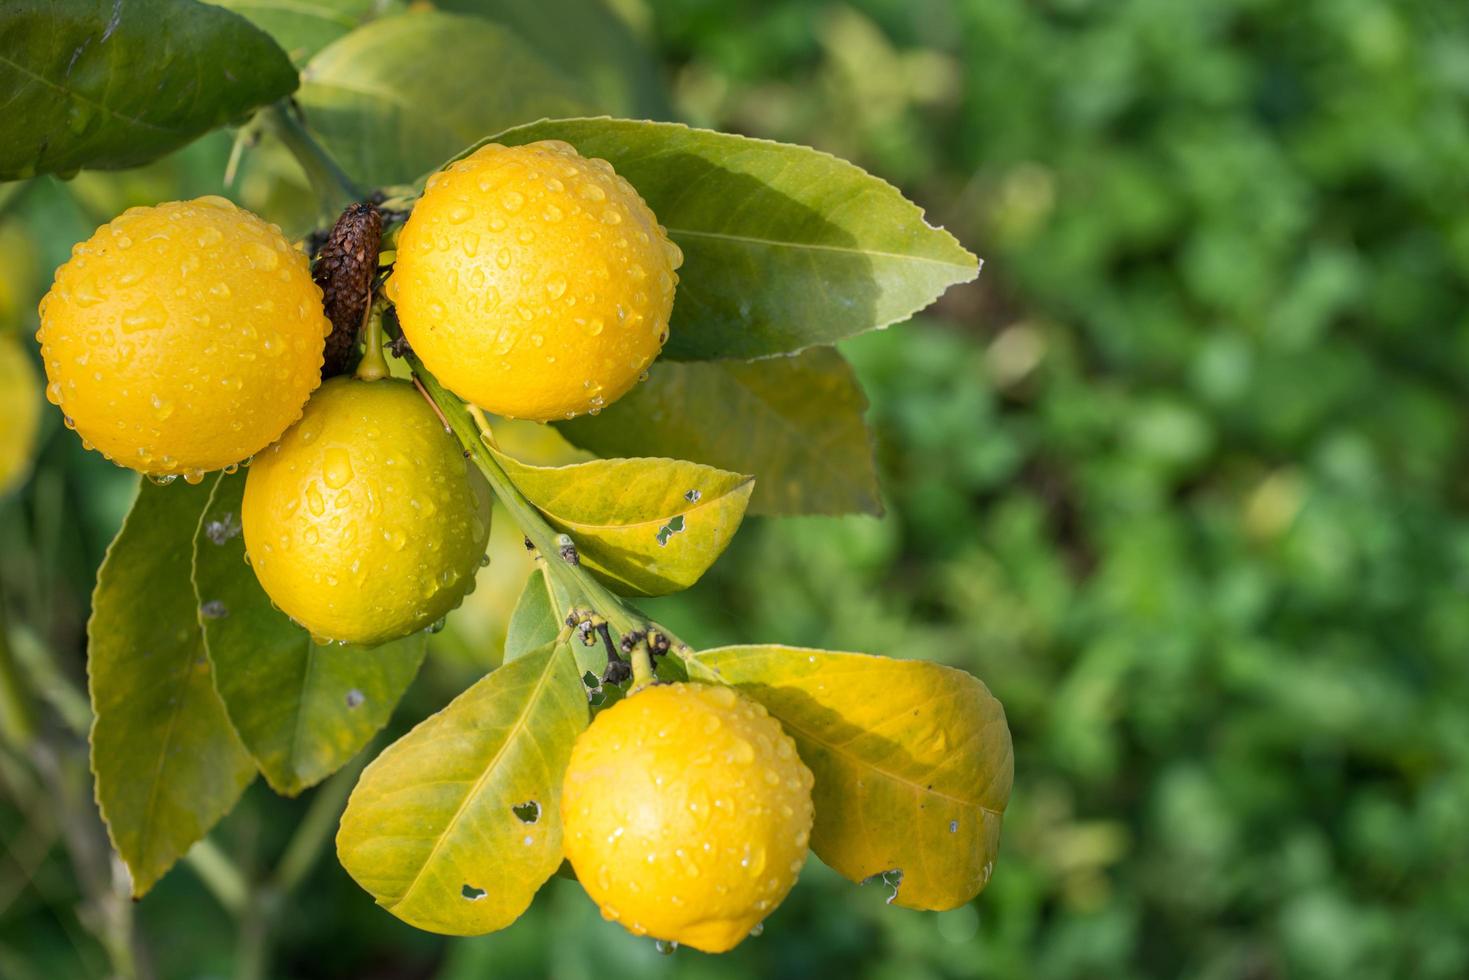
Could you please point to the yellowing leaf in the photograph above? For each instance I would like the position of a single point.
(645, 526)
(168, 764)
(912, 760)
(458, 823)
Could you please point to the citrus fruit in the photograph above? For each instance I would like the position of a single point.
(364, 522)
(686, 814)
(534, 282)
(20, 411)
(182, 338)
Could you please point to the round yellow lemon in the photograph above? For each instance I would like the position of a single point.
(364, 522)
(20, 411)
(686, 814)
(182, 338)
(534, 282)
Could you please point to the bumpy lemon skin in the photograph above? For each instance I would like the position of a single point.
(686, 814)
(20, 412)
(534, 282)
(364, 523)
(182, 338)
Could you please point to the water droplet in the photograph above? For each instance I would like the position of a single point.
(337, 468)
(460, 213)
(512, 200)
(666, 946)
(556, 287)
(314, 501)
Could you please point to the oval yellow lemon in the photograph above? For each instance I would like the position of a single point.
(686, 814)
(534, 282)
(364, 522)
(182, 338)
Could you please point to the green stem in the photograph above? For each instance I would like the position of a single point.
(334, 190)
(572, 580)
(220, 875)
(373, 366)
(315, 829)
(642, 666)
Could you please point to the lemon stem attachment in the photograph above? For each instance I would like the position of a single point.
(373, 366)
(642, 666)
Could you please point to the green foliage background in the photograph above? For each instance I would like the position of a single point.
(1182, 477)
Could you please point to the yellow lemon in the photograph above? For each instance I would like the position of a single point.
(20, 411)
(686, 814)
(364, 522)
(534, 282)
(182, 338)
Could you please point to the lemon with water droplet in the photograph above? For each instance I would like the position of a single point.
(365, 522)
(20, 411)
(686, 814)
(182, 338)
(534, 282)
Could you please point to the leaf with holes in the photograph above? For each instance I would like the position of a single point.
(167, 763)
(912, 760)
(107, 84)
(644, 526)
(303, 709)
(396, 96)
(794, 422)
(785, 247)
(304, 27)
(432, 829)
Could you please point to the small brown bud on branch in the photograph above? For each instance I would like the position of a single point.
(344, 270)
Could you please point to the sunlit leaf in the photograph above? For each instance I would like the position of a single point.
(784, 247)
(395, 97)
(432, 829)
(644, 526)
(912, 760)
(304, 27)
(167, 763)
(587, 39)
(303, 709)
(794, 422)
(107, 84)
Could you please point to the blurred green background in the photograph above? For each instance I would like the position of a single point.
(1182, 477)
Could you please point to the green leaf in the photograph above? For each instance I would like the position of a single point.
(784, 247)
(912, 760)
(302, 709)
(533, 622)
(794, 422)
(644, 526)
(586, 38)
(167, 763)
(304, 27)
(431, 831)
(398, 95)
(108, 84)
